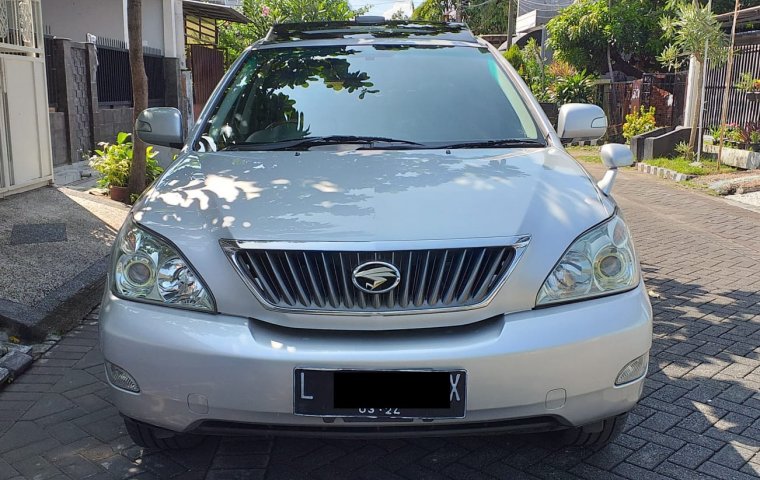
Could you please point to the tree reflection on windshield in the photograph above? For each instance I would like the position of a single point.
(264, 113)
(414, 94)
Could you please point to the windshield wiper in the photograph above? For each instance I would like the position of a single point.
(307, 142)
(503, 143)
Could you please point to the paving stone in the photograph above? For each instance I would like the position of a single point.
(724, 473)
(661, 421)
(7, 471)
(609, 457)
(21, 434)
(649, 456)
(120, 467)
(19, 348)
(257, 474)
(48, 404)
(16, 362)
(37, 468)
(691, 456)
(679, 472)
(78, 467)
(733, 456)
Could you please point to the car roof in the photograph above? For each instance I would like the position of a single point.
(370, 28)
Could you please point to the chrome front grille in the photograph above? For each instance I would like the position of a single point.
(322, 281)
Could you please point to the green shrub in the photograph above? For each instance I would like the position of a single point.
(639, 122)
(575, 88)
(113, 161)
(683, 150)
(515, 56)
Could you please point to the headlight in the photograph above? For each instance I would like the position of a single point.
(599, 262)
(147, 268)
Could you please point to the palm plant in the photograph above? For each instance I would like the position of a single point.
(692, 28)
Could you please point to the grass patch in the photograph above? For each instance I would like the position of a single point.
(585, 154)
(682, 165)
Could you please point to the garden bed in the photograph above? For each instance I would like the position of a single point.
(744, 159)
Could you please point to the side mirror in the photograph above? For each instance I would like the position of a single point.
(160, 126)
(613, 155)
(580, 122)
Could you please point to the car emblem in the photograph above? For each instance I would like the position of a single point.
(376, 277)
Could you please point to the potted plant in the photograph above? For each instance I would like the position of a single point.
(750, 85)
(114, 160)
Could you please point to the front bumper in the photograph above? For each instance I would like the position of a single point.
(198, 371)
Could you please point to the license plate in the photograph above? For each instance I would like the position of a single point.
(372, 394)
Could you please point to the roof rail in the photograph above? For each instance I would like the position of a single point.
(372, 26)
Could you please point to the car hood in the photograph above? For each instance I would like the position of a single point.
(373, 196)
(366, 195)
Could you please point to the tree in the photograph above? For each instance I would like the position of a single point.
(139, 93)
(399, 15)
(582, 33)
(433, 10)
(236, 37)
(689, 31)
(491, 17)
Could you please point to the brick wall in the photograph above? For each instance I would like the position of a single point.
(110, 121)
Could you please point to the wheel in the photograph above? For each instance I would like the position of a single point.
(597, 434)
(158, 438)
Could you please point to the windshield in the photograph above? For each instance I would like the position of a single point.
(401, 96)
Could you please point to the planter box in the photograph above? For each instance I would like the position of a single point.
(736, 158)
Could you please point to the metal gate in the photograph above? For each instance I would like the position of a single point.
(207, 65)
(741, 109)
(25, 155)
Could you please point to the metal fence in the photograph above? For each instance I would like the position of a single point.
(667, 93)
(21, 27)
(740, 109)
(114, 78)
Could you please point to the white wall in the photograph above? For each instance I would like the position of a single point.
(75, 18)
(153, 23)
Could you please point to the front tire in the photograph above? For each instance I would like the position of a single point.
(159, 439)
(595, 435)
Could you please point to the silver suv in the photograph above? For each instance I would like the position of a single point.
(374, 230)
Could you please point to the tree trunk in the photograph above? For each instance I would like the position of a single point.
(694, 121)
(139, 93)
(613, 96)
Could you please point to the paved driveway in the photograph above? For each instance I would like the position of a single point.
(700, 417)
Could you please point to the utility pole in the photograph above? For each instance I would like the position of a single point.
(729, 80)
(511, 18)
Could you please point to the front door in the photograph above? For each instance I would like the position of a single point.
(207, 64)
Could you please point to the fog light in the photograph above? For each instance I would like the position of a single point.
(120, 378)
(633, 370)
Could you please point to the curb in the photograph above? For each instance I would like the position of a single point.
(663, 172)
(60, 310)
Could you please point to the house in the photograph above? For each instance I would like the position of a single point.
(532, 17)
(89, 83)
(206, 60)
